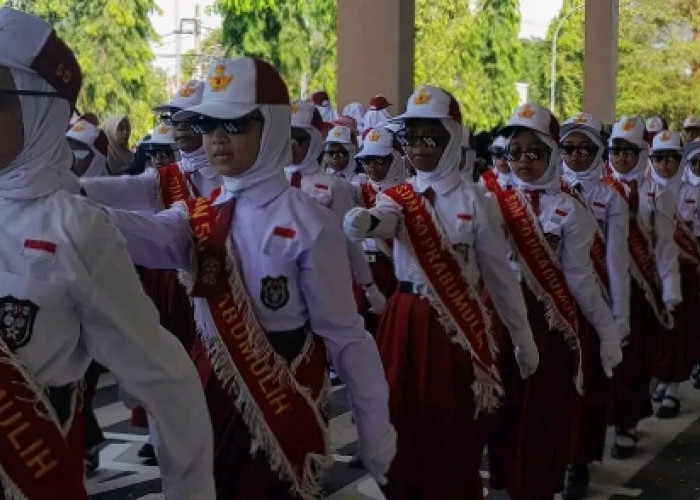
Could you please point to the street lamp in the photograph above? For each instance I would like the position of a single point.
(553, 70)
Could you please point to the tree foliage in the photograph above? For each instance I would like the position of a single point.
(658, 69)
(298, 37)
(111, 41)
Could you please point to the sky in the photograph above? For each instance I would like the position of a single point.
(535, 14)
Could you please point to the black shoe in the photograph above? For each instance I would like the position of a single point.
(665, 411)
(91, 459)
(622, 452)
(147, 451)
(576, 482)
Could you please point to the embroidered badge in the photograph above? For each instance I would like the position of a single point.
(423, 97)
(274, 293)
(526, 112)
(17, 321)
(219, 81)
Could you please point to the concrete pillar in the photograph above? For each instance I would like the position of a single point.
(600, 59)
(375, 51)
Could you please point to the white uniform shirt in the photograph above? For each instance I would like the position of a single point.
(314, 263)
(461, 208)
(91, 305)
(656, 211)
(688, 205)
(339, 196)
(612, 215)
(141, 192)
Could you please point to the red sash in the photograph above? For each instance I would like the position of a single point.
(456, 301)
(490, 180)
(36, 455)
(172, 184)
(279, 404)
(541, 270)
(643, 262)
(597, 253)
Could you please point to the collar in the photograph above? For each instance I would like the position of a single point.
(259, 194)
(446, 184)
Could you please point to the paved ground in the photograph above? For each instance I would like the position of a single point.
(667, 465)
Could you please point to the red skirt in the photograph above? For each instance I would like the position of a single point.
(529, 450)
(590, 418)
(431, 405)
(629, 396)
(673, 352)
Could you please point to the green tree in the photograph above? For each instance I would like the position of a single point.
(111, 41)
(534, 52)
(446, 55)
(211, 47)
(297, 37)
(498, 52)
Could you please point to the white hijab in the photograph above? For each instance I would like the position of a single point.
(356, 110)
(275, 150)
(592, 175)
(43, 165)
(691, 152)
(98, 165)
(309, 164)
(395, 176)
(674, 183)
(375, 117)
(348, 172)
(449, 161)
(637, 173)
(549, 181)
(194, 161)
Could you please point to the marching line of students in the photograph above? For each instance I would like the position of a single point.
(521, 314)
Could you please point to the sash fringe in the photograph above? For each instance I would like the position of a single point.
(554, 319)
(262, 437)
(11, 491)
(487, 387)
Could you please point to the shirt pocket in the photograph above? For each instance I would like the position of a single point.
(322, 193)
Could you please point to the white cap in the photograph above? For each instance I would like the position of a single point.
(630, 129)
(236, 87)
(188, 96)
(691, 122)
(83, 131)
(655, 124)
(582, 121)
(306, 115)
(430, 102)
(499, 142)
(341, 134)
(533, 117)
(378, 142)
(667, 141)
(162, 134)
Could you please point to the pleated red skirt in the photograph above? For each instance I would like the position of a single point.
(673, 352)
(590, 416)
(529, 448)
(440, 444)
(629, 396)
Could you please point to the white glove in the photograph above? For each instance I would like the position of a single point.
(528, 358)
(377, 301)
(623, 327)
(356, 223)
(378, 454)
(610, 356)
(670, 305)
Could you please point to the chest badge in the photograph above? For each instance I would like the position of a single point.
(274, 292)
(17, 321)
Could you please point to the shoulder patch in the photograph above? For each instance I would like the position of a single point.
(17, 321)
(322, 187)
(599, 204)
(274, 292)
(46, 246)
(561, 212)
(284, 232)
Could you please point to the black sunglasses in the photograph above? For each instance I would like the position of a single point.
(694, 162)
(624, 151)
(207, 125)
(380, 161)
(336, 154)
(669, 157)
(532, 154)
(158, 153)
(430, 141)
(569, 150)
